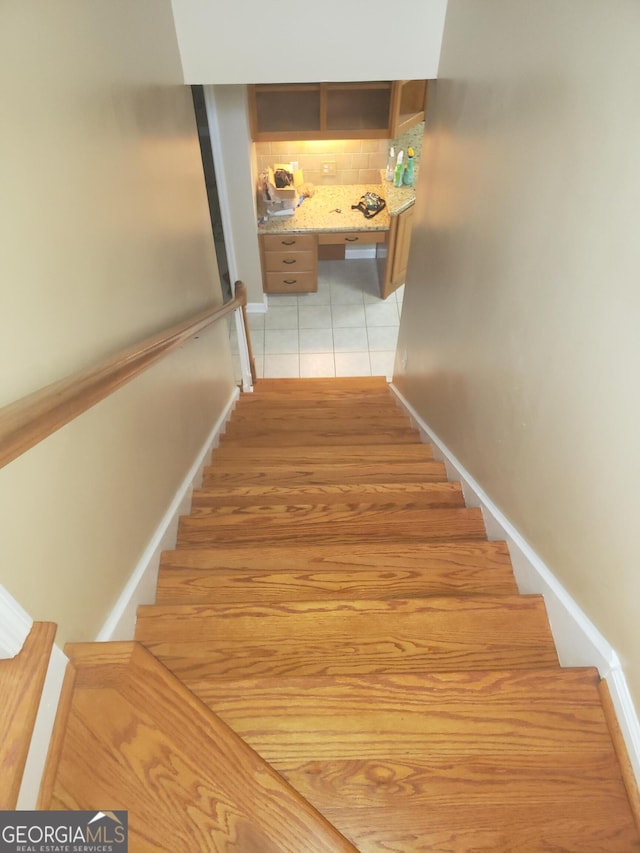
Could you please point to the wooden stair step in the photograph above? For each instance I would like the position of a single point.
(299, 417)
(134, 737)
(21, 684)
(335, 637)
(492, 760)
(456, 567)
(371, 454)
(325, 389)
(424, 494)
(223, 501)
(342, 522)
(215, 586)
(396, 471)
(319, 437)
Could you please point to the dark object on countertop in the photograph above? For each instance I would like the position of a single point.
(370, 204)
(282, 178)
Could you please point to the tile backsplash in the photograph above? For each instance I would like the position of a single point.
(358, 161)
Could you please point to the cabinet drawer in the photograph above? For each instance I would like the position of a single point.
(351, 238)
(289, 242)
(290, 261)
(298, 282)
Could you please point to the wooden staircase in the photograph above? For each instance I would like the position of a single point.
(334, 606)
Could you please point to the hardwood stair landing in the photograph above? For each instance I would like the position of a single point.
(334, 603)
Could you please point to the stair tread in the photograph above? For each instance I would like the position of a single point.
(320, 437)
(329, 471)
(296, 416)
(344, 523)
(201, 586)
(342, 453)
(520, 749)
(454, 567)
(139, 740)
(348, 637)
(425, 493)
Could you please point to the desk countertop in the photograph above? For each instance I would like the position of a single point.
(319, 213)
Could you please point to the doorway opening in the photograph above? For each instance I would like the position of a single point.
(208, 166)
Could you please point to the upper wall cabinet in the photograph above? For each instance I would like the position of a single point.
(373, 110)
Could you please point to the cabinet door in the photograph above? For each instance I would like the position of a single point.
(321, 110)
(357, 110)
(409, 104)
(280, 112)
(397, 252)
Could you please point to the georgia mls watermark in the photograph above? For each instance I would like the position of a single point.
(63, 832)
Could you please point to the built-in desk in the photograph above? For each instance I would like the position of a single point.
(290, 245)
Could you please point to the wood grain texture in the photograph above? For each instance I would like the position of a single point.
(237, 472)
(297, 416)
(21, 682)
(327, 571)
(341, 523)
(144, 743)
(451, 761)
(419, 494)
(371, 454)
(329, 437)
(202, 642)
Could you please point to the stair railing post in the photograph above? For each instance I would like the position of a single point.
(247, 361)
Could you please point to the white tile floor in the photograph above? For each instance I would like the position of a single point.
(344, 329)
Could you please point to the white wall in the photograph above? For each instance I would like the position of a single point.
(230, 133)
(254, 42)
(521, 310)
(105, 239)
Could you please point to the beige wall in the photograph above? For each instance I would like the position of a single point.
(522, 305)
(106, 238)
(251, 42)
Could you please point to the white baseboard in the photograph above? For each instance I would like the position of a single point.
(39, 746)
(352, 252)
(141, 586)
(578, 641)
(258, 307)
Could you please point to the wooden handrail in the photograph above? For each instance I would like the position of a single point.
(28, 421)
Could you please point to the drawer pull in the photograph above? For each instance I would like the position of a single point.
(289, 261)
(288, 242)
(289, 280)
(351, 239)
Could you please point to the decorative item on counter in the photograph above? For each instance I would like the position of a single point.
(307, 189)
(370, 204)
(391, 164)
(407, 177)
(397, 176)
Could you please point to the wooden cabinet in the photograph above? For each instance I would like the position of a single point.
(289, 263)
(372, 110)
(332, 244)
(409, 105)
(393, 269)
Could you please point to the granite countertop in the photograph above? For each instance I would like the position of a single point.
(319, 212)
